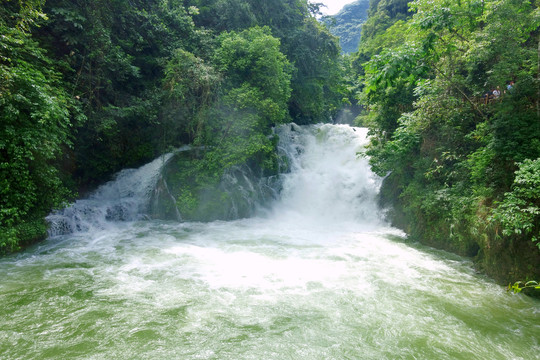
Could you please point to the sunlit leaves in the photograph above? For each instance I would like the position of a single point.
(256, 90)
(519, 212)
(450, 150)
(519, 286)
(252, 59)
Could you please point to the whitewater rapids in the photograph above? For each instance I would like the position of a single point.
(318, 274)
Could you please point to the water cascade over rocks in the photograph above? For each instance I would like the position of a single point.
(323, 176)
(329, 178)
(123, 199)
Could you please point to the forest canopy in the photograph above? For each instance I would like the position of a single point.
(92, 87)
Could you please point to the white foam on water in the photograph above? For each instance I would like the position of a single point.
(320, 276)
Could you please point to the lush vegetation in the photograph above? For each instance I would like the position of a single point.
(449, 89)
(90, 87)
(347, 24)
(35, 111)
(462, 164)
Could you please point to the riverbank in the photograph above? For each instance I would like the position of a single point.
(502, 258)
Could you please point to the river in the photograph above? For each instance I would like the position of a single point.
(316, 275)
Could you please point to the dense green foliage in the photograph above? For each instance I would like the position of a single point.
(382, 14)
(34, 110)
(519, 212)
(317, 77)
(256, 89)
(91, 87)
(115, 54)
(347, 24)
(462, 165)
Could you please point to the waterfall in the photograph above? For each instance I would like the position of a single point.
(316, 275)
(329, 180)
(323, 178)
(123, 199)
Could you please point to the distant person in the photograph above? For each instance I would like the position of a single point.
(510, 86)
(497, 93)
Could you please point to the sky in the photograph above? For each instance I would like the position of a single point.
(332, 6)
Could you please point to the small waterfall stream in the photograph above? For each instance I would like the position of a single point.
(317, 274)
(126, 198)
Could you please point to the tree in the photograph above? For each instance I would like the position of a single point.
(450, 151)
(236, 132)
(519, 212)
(115, 54)
(35, 128)
(255, 93)
(191, 87)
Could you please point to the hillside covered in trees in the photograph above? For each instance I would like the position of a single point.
(451, 92)
(347, 24)
(89, 88)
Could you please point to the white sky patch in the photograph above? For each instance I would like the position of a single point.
(332, 6)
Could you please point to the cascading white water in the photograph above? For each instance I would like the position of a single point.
(123, 199)
(330, 181)
(319, 276)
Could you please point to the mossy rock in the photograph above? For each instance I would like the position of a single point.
(190, 191)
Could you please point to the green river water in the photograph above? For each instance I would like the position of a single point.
(319, 275)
